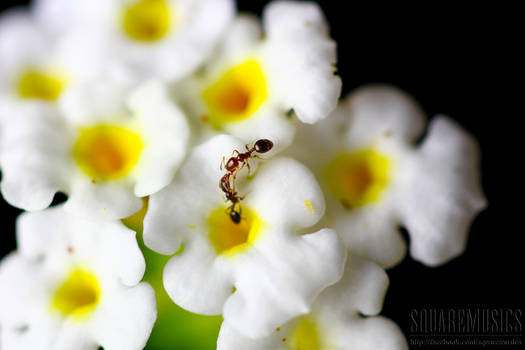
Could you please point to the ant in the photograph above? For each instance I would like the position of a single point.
(231, 195)
(237, 162)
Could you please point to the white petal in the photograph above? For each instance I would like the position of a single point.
(375, 333)
(230, 339)
(362, 289)
(443, 193)
(162, 232)
(202, 24)
(53, 231)
(127, 320)
(377, 111)
(34, 158)
(108, 201)
(197, 26)
(34, 338)
(292, 18)
(197, 280)
(86, 54)
(267, 123)
(61, 16)
(286, 192)
(336, 310)
(281, 279)
(243, 34)
(353, 333)
(329, 135)
(166, 135)
(23, 291)
(72, 335)
(86, 104)
(301, 58)
(371, 232)
(16, 26)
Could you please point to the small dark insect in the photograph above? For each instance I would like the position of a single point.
(234, 164)
(235, 216)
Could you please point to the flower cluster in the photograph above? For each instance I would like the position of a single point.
(180, 128)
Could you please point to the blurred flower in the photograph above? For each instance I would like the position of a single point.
(74, 284)
(377, 179)
(257, 84)
(341, 318)
(164, 39)
(174, 326)
(105, 150)
(38, 66)
(259, 272)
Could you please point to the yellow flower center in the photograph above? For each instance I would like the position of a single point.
(236, 95)
(305, 336)
(107, 152)
(147, 20)
(40, 85)
(228, 237)
(78, 295)
(359, 178)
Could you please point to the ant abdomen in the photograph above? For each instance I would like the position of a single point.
(235, 216)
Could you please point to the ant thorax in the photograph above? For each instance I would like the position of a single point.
(233, 166)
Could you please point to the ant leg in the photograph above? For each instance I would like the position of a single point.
(242, 198)
(233, 177)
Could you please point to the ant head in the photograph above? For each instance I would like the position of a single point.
(235, 216)
(263, 145)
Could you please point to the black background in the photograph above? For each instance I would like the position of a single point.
(457, 62)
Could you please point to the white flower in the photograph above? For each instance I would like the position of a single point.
(260, 272)
(340, 318)
(377, 179)
(165, 39)
(257, 83)
(104, 151)
(74, 284)
(37, 66)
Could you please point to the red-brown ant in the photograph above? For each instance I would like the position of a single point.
(233, 166)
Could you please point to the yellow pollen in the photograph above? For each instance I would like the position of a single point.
(358, 178)
(230, 238)
(309, 206)
(107, 152)
(78, 295)
(236, 95)
(305, 336)
(40, 85)
(147, 20)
